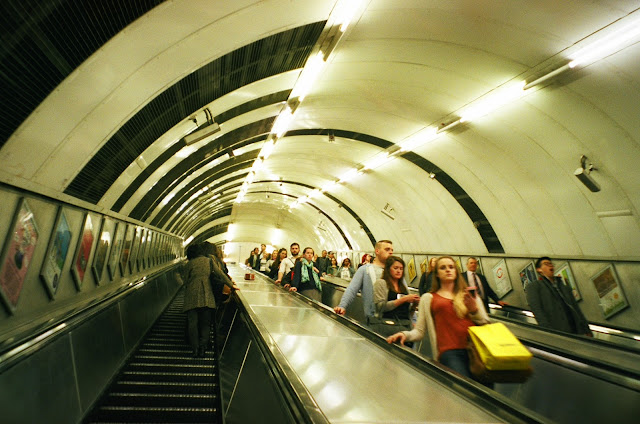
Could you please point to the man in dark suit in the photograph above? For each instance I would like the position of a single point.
(323, 263)
(553, 303)
(254, 260)
(483, 290)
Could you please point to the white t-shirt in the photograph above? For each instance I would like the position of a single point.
(285, 266)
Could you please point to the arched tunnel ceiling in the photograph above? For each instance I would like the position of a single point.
(98, 96)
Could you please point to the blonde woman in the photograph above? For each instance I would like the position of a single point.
(447, 313)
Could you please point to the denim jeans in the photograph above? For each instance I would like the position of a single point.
(457, 360)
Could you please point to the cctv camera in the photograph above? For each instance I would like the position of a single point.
(586, 179)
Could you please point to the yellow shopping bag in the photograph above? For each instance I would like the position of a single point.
(498, 348)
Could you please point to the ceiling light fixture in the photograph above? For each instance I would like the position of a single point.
(341, 15)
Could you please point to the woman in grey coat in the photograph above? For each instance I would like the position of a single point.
(198, 297)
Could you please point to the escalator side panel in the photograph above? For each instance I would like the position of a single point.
(43, 385)
(248, 391)
(98, 352)
(567, 396)
(139, 312)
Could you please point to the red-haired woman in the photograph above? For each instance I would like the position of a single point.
(366, 259)
(446, 314)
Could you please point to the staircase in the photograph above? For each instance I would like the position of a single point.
(163, 382)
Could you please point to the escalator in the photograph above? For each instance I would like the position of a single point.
(162, 381)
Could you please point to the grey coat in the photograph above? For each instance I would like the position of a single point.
(198, 292)
(547, 306)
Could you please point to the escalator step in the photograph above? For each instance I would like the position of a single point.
(157, 414)
(172, 368)
(160, 399)
(168, 376)
(164, 386)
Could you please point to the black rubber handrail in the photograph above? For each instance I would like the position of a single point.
(33, 338)
(494, 403)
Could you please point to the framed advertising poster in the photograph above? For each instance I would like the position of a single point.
(151, 239)
(102, 251)
(135, 247)
(126, 248)
(564, 272)
(528, 274)
(142, 249)
(163, 248)
(423, 266)
(17, 254)
(83, 252)
(56, 254)
(411, 270)
(501, 280)
(612, 298)
(116, 249)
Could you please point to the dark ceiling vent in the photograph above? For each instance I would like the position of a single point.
(273, 55)
(42, 42)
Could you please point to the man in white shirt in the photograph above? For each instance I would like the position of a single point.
(484, 290)
(288, 263)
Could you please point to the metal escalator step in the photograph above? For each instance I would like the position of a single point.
(166, 345)
(150, 351)
(163, 386)
(192, 367)
(169, 376)
(161, 355)
(160, 399)
(158, 414)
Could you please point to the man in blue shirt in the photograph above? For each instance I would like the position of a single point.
(361, 281)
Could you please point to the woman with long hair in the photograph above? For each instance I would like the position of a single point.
(391, 296)
(306, 277)
(427, 277)
(199, 300)
(332, 269)
(273, 272)
(446, 313)
(346, 270)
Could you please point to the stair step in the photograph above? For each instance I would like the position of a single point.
(163, 386)
(172, 400)
(157, 414)
(168, 376)
(197, 365)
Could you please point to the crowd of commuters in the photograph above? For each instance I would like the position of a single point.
(450, 300)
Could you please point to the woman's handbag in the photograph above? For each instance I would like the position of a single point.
(388, 326)
(497, 356)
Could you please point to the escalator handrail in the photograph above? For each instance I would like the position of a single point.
(567, 358)
(489, 400)
(298, 399)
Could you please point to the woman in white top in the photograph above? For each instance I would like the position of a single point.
(447, 313)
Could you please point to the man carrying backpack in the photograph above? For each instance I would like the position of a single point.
(286, 266)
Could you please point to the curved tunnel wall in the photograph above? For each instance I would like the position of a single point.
(129, 95)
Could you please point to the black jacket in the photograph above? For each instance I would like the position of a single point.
(487, 291)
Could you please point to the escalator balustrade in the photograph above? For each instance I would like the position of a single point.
(162, 381)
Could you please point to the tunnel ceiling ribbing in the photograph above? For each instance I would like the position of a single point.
(42, 42)
(478, 218)
(241, 137)
(219, 119)
(269, 56)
